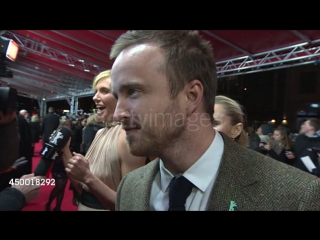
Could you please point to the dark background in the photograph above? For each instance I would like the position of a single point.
(270, 95)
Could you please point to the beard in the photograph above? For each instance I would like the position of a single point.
(160, 133)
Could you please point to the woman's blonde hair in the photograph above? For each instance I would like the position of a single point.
(96, 80)
(234, 111)
(65, 122)
(93, 120)
(99, 77)
(285, 140)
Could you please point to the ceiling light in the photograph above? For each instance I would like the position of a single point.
(9, 48)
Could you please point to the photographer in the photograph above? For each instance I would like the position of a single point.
(9, 137)
(14, 198)
(11, 198)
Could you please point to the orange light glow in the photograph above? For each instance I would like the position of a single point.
(12, 50)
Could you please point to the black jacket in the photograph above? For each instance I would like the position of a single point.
(9, 152)
(90, 132)
(282, 157)
(25, 146)
(303, 147)
(9, 145)
(35, 130)
(76, 139)
(50, 122)
(11, 199)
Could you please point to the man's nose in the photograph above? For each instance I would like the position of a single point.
(120, 112)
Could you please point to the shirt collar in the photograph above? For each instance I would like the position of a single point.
(202, 171)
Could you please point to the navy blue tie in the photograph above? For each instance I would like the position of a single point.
(179, 190)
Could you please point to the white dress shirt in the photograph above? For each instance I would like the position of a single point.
(202, 174)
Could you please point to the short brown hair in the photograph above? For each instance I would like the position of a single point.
(187, 57)
(315, 123)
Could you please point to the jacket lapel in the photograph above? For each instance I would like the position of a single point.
(235, 182)
(142, 187)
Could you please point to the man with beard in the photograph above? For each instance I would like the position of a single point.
(165, 83)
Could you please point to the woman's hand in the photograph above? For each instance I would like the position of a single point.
(78, 167)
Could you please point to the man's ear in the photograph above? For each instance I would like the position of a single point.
(236, 130)
(194, 95)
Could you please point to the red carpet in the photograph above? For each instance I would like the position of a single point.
(38, 204)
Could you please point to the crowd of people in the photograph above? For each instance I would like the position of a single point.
(163, 140)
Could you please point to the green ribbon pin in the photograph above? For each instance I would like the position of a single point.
(233, 205)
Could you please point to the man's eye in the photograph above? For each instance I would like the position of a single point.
(132, 91)
(215, 123)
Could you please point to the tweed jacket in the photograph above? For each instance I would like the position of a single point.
(253, 181)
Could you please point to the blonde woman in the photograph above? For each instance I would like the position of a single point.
(96, 175)
(230, 119)
(279, 145)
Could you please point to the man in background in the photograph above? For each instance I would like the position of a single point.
(50, 123)
(308, 139)
(25, 145)
(9, 136)
(24, 113)
(11, 198)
